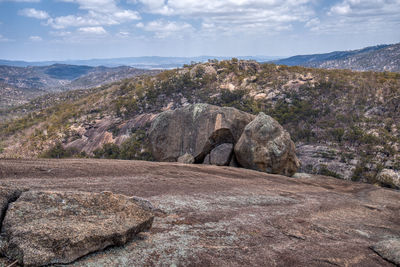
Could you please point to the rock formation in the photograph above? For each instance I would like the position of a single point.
(208, 134)
(266, 146)
(49, 227)
(196, 129)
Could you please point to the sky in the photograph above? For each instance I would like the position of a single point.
(37, 30)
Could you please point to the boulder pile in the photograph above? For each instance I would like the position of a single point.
(49, 227)
(223, 136)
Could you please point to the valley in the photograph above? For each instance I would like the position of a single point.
(19, 85)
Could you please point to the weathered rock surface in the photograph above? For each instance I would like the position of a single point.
(187, 159)
(316, 159)
(53, 227)
(207, 159)
(266, 146)
(389, 249)
(388, 177)
(7, 195)
(195, 129)
(221, 155)
(221, 216)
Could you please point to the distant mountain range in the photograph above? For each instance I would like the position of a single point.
(374, 58)
(20, 84)
(147, 62)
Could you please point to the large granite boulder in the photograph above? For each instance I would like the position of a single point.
(43, 228)
(196, 130)
(390, 178)
(266, 146)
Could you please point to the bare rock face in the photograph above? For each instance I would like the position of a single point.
(266, 146)
(196, 130)
(43, 228)
(207, 159)
(221, 155)
(388, 177)
(7, 195)
(187, 159)
(389, 250)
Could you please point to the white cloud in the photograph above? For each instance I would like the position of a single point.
(340, 9)
(366, 8)
(163, 29)
(123, 34)
(101, 6)
(34, 13)
(99, 13)
(21, 1)
(250, 16)
(61, 33)
(4, 39)
(360, 16)
(35, 38)
(93, 30)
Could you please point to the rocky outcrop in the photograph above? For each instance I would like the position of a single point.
(196, 129)
(390, 178)
(266, 146)
(322, 159)
(389, 250)
(209, 133)
(50, 227)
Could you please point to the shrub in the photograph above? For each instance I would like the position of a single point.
(58, 151)
(323, 170)
(108, 151)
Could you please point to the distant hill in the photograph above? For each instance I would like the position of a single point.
(21, 84)
(374, 58)
(146, 62)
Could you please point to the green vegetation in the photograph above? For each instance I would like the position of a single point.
(135, 148)
(323, 170)
(58, 151)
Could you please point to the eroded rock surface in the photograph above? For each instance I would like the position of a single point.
(187, 159)
(389, 249)
(50, 227)
(221, 216)
(266, 146)
(7, 195)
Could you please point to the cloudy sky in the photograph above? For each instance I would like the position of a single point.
(83, 29)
